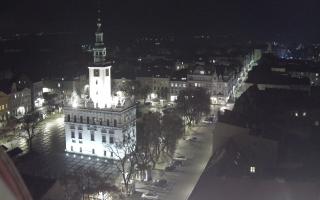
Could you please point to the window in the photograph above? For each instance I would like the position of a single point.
(107, 72)
(68, 118)
(103, 139)
(71, 148)
(96, 82)
(81, 119)
(88, 120)
(96, 72)
(80, 135)
(108, 122)
(72, 134)
(80, 150)
(100, 121)
(92, 136)
(105, 153)
(111, 140)
(111, 154)
(93, 120)
(115, 123)
(92, 151)
(252, 169)
(74, 118)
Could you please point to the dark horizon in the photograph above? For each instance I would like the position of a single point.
(282, 20)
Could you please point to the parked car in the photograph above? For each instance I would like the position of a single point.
(160, 183)
(177, 163)
(208, 120)
(170, 168)
(149, 195)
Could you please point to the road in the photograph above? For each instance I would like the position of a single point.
(182, 181)
(48, 158)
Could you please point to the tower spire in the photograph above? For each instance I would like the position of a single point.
(99, 50)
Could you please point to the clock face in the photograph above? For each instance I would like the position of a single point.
(96, 72)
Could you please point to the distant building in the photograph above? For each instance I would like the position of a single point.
(20, 102)
(178, 82)
(218, 84)
(4, 109)
(97, 126)
(157, 79)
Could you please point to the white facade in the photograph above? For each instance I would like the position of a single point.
(95, 132)
(100, 86)
(99, 126)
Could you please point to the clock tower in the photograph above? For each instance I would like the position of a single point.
(100, 72)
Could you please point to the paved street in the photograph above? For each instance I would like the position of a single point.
(49, 159)
(182, 181)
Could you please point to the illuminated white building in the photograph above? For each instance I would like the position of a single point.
(98, 125)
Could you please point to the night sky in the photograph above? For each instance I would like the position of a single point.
(290, 19)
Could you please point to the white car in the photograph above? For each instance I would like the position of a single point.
(149, 195)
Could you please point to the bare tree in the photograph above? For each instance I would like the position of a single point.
(172, 130)
(28, 126)
(192, 103)
(123, 151)
(90, 183)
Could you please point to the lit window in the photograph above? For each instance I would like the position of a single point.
(252, 169)
(304, 114)
(296, 114)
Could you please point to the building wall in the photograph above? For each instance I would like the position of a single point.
(101, 123)
(4, 108)
(20, 102)
(100, 86)
(175, 88)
